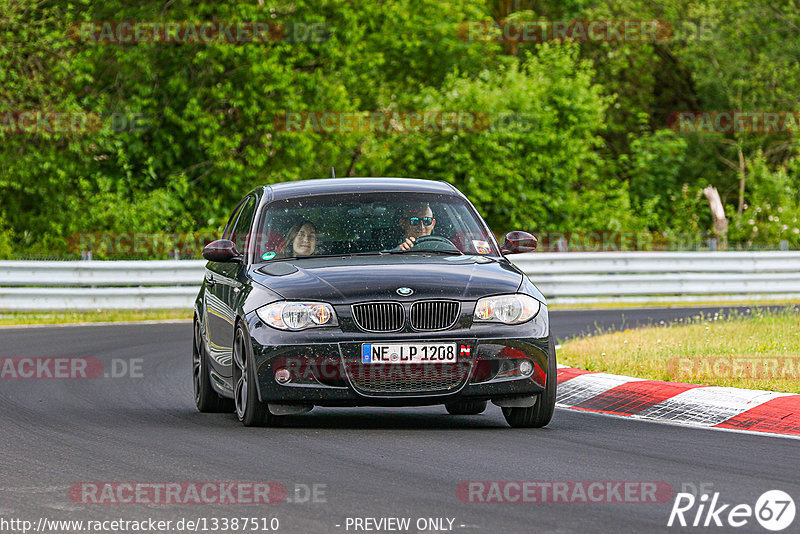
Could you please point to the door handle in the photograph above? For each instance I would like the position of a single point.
(210, 281)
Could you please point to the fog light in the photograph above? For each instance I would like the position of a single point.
(282, 375)
(526, 368)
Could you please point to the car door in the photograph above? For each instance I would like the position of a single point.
(213, 321)
(223, 286)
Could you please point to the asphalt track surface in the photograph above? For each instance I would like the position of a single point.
(372, 462)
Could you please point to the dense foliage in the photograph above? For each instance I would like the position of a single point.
(577, 134)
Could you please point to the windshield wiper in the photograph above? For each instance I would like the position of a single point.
(374, 253)
(432, 251)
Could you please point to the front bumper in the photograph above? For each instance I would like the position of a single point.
(326, 369)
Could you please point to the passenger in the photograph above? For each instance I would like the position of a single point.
(300, 241)
(417, 221)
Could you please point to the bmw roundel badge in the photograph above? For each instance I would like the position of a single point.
(404, 291)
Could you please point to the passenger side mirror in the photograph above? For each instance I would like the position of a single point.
(221, 250)
(519, 242)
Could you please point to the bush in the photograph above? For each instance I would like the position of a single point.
(772, 210)
(6, 242)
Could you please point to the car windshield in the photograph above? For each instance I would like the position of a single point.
(370, 223)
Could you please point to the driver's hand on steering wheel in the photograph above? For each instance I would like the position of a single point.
(407, 244)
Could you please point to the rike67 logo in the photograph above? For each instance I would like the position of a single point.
(774, 510)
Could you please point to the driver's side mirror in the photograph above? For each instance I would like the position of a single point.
(221, 251)
(519, 242)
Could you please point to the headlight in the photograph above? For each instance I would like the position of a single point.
(507, 309)
(297, 315)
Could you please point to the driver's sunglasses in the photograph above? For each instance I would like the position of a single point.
(414, 221)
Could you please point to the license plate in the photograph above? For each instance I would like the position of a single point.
(408, 353)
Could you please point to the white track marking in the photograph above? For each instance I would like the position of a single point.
(583, 387)
(708, 406)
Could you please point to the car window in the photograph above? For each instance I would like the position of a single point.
(369, 222)
(229, 227)
(241, 229)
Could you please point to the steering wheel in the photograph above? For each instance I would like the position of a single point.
(433, 242)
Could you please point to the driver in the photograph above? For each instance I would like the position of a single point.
(416, 221)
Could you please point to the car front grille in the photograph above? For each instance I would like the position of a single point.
(408, 379)
(379, 316)
(426, 315)
(434, 314)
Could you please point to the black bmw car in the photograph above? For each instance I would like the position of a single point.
(369, 292)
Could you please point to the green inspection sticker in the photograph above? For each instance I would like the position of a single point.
(267, 255)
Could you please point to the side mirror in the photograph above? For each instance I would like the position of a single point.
(519, 242)
(221, 250)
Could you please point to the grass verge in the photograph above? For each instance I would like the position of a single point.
(755, 350)
(70, 317)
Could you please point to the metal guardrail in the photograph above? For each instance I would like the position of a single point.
(101, 285)
(101, 273)
(659, 276)
(562, 277)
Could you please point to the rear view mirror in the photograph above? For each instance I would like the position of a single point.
(519, 242)
(221, 250)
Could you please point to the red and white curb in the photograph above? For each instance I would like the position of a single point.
(672, 402)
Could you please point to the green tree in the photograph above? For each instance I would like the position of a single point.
(536, 164)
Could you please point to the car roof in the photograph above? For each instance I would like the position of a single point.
(357, 185)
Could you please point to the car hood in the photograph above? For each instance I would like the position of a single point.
(348, 279)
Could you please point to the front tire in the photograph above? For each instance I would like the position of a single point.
(249, 410)
(205, 398)
(540, 413)
(466, 407)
